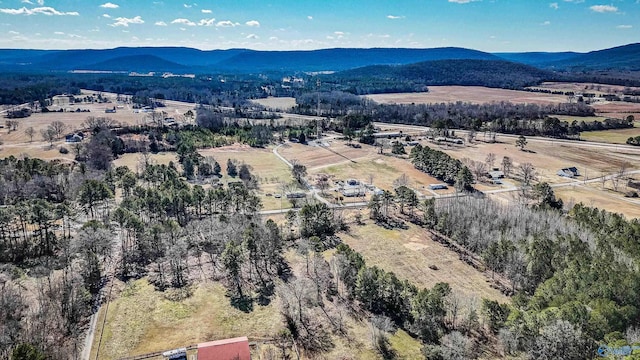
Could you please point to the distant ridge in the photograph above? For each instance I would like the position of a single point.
(624, 58)
(491, 73)
(142, 63)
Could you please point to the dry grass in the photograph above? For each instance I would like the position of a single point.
(594, 196)
(409, 253)
(549, 158)
(473, 94)
(277, 103)
(614, 136)
(142, 321)
(581, 87)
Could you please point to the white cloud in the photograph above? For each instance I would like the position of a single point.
(227, 23)
(207, 22)
(26, 2)
(40, 2)
(575, 1)
(462, 1)
(14, 32)
(253, 23)
(554, 6)
(184, 22)
(624, 26)
(394, 17)
(338, 32)
(39, 10)
(252, 36)
(273, 38)
(206, 11)
(604, 8)
(106, 16)
(187, 6)
(546, 23)
(59, 33)
(310, 17)
(122, 21)
(160, 23)
(109, 6)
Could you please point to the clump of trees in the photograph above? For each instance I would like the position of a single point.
(441, 166)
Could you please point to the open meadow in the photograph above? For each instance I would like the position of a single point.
(472, 94)
(410, 253)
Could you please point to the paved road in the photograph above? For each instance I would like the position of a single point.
(588, 144)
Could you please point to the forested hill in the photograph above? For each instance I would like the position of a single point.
(343, 59)
(620, 58)
(232, 60)
(490, 73)
(625, 57)
(142, 63)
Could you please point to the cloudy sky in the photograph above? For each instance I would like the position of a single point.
(488, 25)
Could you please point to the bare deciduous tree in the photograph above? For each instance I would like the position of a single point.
(507, 164)
(490, 160)
(58, 128)
(30, 132)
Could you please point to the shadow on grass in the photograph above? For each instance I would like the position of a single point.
(243, 303)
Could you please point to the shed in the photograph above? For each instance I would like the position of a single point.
(437, 186)
(496, 174)
(569, 172)
(229, 349)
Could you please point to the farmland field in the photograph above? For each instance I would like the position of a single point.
(472, 94)
(277, 103)
(614, 136)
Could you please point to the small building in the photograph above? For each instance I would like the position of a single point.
(296, 195)
(229, 349)
(437, 186)
(74, 138)
(177, 354)
(354, 192)
(496, 174)
(569, 172)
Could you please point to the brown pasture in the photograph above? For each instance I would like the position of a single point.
(409, 253)
(472, 94)
(277, 103)
(582, 87)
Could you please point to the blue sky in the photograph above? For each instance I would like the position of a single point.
(487, 25)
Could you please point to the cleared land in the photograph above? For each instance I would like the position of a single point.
(616, 136)
(142, 320)
(594, 196)
(582, 87)
(409, 253)
(277, 103)
(472, 94)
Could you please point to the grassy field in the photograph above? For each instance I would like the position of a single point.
(473, 94)
(593, 195)
(548, 158)
(616, 136)
(141, 320)
(409, 253)
(277, 103)
(581, 87)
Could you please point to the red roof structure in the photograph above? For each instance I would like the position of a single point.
(229, 349)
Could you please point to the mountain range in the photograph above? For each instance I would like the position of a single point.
(188, 60)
